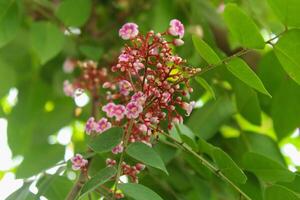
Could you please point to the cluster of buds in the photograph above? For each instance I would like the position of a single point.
(151, 88)
(91, 78)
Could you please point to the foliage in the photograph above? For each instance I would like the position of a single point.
(246, 83)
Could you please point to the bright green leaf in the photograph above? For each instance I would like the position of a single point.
(242, 71)
(205, 51)
(101, 177)
(266, 169)
(206, 86)
(286, 50)
(277, 192)
(139, 192)
(7, 78)
(287, 11)
(74, 12)
(107, 140)
(9, 20)
(242, 27)
(47, 40)
(146, 154)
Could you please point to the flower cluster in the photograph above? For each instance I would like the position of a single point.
(150, 91)
(78, 162)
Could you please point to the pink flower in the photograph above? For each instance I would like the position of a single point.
(188, 107)
(166, 97)
(143, 128)
(110, 162)
(119, 112)
(178, 42)
(109, 109)
(125, 87)
(78, 162)
(133, 109)
(139, 166)
(177, 120)
(117, 149)
(69, 89)
(90, 125)
(176, 28)
(102, 125)
(124, 57)
(139, 97)
(69, 65)
(129, 31)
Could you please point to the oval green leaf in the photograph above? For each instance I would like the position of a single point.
(147, 155)
(277, 192)
(286, 50)
(139, 192)
(242, 27)
(107, 140)
(205, 51)
(74, 12)
(100, 178)
(47, 40)
(206, 86)
(242, 71)
(265, 168)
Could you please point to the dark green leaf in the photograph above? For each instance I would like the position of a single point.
(285, 109)
(206, 86)
(242, 71)
(287, 11)
(215, 112)
(101, 177)
(74, 12)
(206, 52)
(146, 154)
(277, 192)
(266, 169)
(107, 140)
(242, 27)
(228, 166)
(286, 51)
(47, 40)
(139, 192)
(9, 20)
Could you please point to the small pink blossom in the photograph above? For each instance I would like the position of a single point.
(102, 125)
(166, 97)
(143, 128)
(119, 112)
(125, 87)
(118, 149)
(178, 42)
(139, 97)
(109, 109)
(129, 31)
(69, 65)
(177, 120)
(90, 125)
(188, 107)
(69, 89)
(176, 28)
(140, 166)
(110, 162)
(78, 162)
(124, 57)
(133, 109)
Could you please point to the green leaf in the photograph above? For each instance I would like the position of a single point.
(146, 154)
(294, 185)
(285, 109)
(7, 78)
(252, 187)
(286, 51)
(277, 192)
(107, 140)
(228, 166)
(9, 20)
(22, 194)
(54, 186)
(74, 12)
(139, 192)
(242, 27)
(287, 11)
(215, 112)
(242, 71)
(91, 52)
(266, 169)
(101, 177)
(187, 136)
(205, 51)
(206, 86)
(47, 40)
(247, 102)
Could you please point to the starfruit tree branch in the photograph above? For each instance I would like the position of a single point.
(206, 163)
